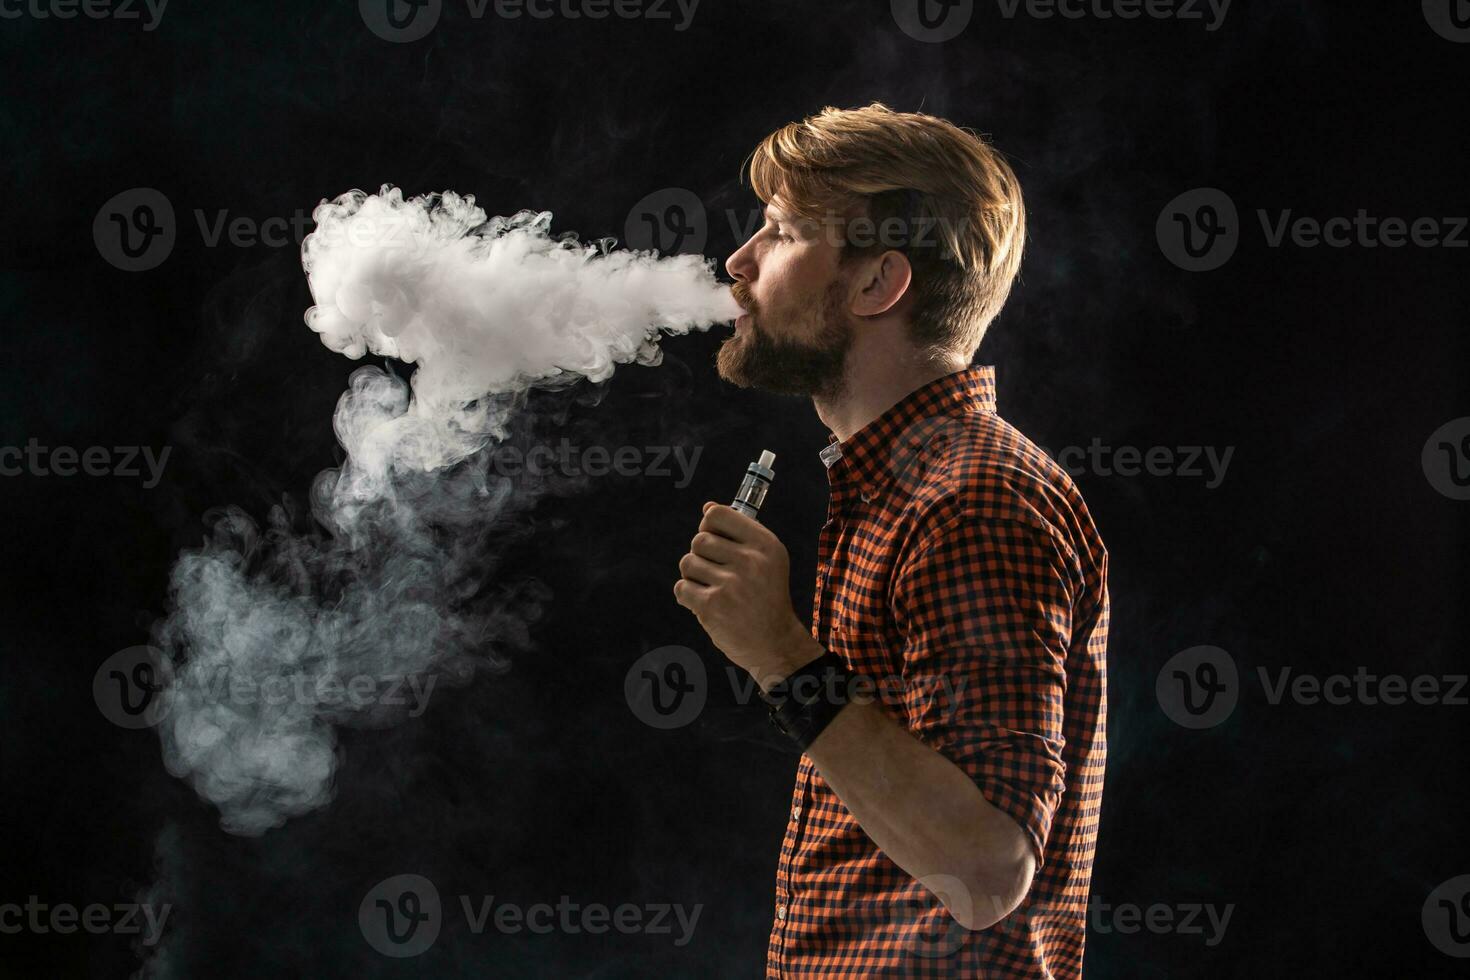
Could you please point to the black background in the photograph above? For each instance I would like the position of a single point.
(1325, 547)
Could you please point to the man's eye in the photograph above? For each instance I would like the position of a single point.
(782, 236)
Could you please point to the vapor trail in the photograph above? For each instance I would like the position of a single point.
(270, 630)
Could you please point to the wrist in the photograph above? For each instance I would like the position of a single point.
(799, 649)
(808, 700)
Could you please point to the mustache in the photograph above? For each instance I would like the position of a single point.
(741, 292)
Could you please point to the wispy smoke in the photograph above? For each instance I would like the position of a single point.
(278, 634)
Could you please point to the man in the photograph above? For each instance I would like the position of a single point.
(950, 694)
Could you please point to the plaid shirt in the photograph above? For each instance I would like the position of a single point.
(960, 571)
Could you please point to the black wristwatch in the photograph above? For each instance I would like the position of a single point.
(805, 703)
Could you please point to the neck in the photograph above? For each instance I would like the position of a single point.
(876, 380)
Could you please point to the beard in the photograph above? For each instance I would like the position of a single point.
(813, 368)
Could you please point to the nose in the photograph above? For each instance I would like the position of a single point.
(741, 263)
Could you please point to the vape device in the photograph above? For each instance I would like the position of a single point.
(758, 477)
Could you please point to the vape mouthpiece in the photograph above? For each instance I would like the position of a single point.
(758, 477)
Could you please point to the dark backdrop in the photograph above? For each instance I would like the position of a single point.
(1327, 546)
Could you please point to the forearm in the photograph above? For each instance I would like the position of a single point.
(925, 813)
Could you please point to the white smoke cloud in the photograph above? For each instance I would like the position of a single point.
(272, 630)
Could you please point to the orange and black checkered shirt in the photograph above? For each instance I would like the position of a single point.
(960, 571)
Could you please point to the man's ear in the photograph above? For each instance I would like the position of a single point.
(883, 282)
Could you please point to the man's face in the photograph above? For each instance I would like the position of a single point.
(796, 332)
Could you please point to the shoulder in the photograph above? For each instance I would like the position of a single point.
(977, 472)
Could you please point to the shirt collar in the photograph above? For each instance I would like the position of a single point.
(868, 458)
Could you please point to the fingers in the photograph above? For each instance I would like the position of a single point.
(701, 570)
(689, 594)
(717, 548)
(730, 523)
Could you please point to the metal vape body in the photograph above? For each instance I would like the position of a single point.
(758, 477)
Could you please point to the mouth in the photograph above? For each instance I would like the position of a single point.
(743, 320)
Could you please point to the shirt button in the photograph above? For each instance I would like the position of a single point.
(796, 813)
(781, 912)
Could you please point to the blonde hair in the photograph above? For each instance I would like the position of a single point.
(955, 200)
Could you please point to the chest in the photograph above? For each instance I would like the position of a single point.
(859, 552)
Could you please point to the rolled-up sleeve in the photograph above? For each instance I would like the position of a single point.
(984, 610)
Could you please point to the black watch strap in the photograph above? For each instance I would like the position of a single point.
(805, 703)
